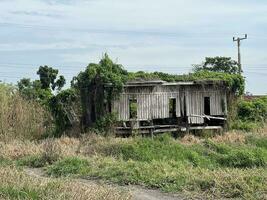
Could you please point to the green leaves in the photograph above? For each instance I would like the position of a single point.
(218, 64)
(48, 77)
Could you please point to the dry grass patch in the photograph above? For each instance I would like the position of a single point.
(230, 137)
(16, 149)
(20, 118)
(190, 139)
(15, 184)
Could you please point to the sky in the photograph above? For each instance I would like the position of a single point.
(147, 35)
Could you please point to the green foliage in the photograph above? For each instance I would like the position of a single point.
(35, 161)
(93, 89)
(253, 110)
(19, 193)
(251, 114)
(69, 166)
(237, 156)
(170, 177)
(93, 84)
(105, 72)
(48, 77)
(245, 125)
(218, 64)
(96, 94)
(5, 161)
(257, 141)
(61, 106)
(41, 90)
(32, 90)
(234, 82)
(106, 124)
(210, 155)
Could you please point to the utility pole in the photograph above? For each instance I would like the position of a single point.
(238, 40)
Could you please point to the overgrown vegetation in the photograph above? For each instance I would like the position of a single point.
(87, 103)
(251, 114)
(100, 83)
(227, 166)
(218, 170)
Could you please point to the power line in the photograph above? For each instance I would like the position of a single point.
(18, 64)
(110, 31)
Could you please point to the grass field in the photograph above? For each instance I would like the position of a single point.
(228, 166)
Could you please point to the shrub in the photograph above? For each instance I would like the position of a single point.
(251, 115)
(253, 110)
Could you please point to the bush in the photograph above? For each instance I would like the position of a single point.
(251, 114)
(106, 125)
(253, 110)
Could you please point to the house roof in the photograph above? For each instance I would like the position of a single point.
(165, 83)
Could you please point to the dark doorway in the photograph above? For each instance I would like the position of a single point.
(207, 105)
(172, 107)
(133, 108)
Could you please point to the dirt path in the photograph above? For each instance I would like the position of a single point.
(137, 192)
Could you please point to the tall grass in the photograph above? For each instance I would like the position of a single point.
(20, 118)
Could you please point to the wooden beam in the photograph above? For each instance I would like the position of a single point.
(205, 127)
(208, 117)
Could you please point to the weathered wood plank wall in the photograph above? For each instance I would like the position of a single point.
(153, 102)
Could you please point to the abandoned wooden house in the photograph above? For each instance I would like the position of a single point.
(159, 106)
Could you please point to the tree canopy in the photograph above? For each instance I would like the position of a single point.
(218, 64)
(48, 76)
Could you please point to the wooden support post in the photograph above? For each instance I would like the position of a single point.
(187, 125)
(151, 130)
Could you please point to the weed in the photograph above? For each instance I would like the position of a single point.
(69, 166)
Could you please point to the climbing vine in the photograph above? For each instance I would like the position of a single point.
(95, 88)
(234, 82)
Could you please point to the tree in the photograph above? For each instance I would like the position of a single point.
(41, 90)
(218, 64)
(48, 77)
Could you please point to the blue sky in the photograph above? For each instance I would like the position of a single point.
(148, 35)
